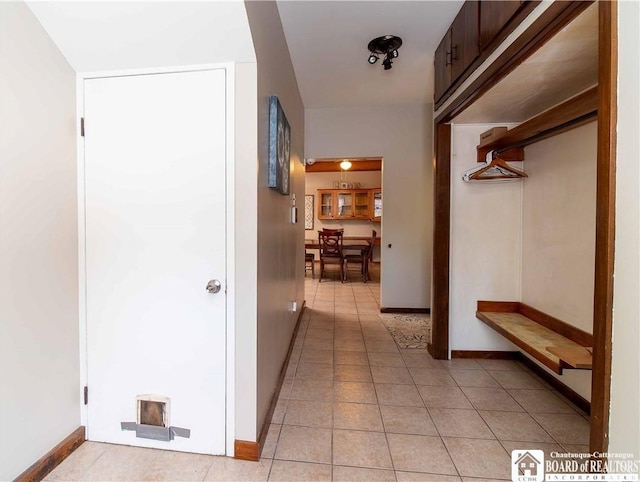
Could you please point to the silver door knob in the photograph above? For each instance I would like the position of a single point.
(214, 286)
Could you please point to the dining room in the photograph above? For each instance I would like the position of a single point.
(343, 214)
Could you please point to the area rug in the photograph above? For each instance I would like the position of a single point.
(408, 330)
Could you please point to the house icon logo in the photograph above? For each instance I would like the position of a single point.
(527, 465)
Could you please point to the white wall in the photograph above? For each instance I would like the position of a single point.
(402, 136)
(39, 364)
(245, 272)
(558, 239)
(485, 245)
(624, 431)
(280, 254)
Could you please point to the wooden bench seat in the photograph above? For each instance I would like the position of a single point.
(554, 343)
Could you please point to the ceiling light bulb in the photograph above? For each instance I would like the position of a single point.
(345, 165)
(373, 59)
(394, 53)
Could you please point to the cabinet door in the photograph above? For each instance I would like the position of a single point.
(464, 38)
(494, 16)
(442, 62)
(376, 206)
(345, 204)
(361, 204)
(325, 205)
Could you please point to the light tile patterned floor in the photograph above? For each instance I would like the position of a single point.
(356, 407)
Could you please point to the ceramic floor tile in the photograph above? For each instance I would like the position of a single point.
(443, 397)
(409, 420)
(397, 375)
(357, 416)
(312, 390)
(317, 344)
(461, 364)
(315, 371)
(285, 389)
(178, 466)
(291, 370)
(357, 392)
(420, 477)
(515, 426)
(79, 461)
(309, 414)
(382, 346)
(500, 365)
(316, 356)
(352, 373)
(349, 345)
(515, 379)
(285, 471)
(358, 474)
(460, 423)
(479, 458)
(304, 444)
(565, 428)
(402, 395)
(361, 449)
(121, 463)
(491, 399)
(543, 401)
(420, 360)
(419, 453)
(383, 359)
(226, 469)
(270, 443)
(320, 333)
(547, 448)
(473, 378)
(428, 376)
(281, 408)
(350, 358)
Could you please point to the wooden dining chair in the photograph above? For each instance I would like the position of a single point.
(362, 260)
(309, 263)
(331, 251)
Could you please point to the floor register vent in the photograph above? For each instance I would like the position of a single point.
(153, 419)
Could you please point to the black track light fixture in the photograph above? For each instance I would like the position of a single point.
(386, 45)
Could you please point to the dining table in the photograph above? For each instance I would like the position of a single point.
(349, 243)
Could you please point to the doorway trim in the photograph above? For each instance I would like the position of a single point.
(230, 368)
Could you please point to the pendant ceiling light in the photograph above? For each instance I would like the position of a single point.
(387, 46)
(345, 165)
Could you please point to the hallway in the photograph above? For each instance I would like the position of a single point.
(356, 407)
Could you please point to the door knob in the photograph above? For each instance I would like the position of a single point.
(214, 286)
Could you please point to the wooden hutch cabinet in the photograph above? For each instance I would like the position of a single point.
(348, 204)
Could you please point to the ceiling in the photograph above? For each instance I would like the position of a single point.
(560, 69)
(328, 46)
(103, 36)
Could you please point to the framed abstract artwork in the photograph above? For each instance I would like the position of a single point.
(279, 147)
(308, 212)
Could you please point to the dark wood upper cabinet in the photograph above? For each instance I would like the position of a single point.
(477, 30)
(494, 16)
(465, 47)
(443, 66)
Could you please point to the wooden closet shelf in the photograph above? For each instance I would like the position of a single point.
(554, 343)
(579, 110)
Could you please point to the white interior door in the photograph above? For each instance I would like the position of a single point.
(155, 235)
